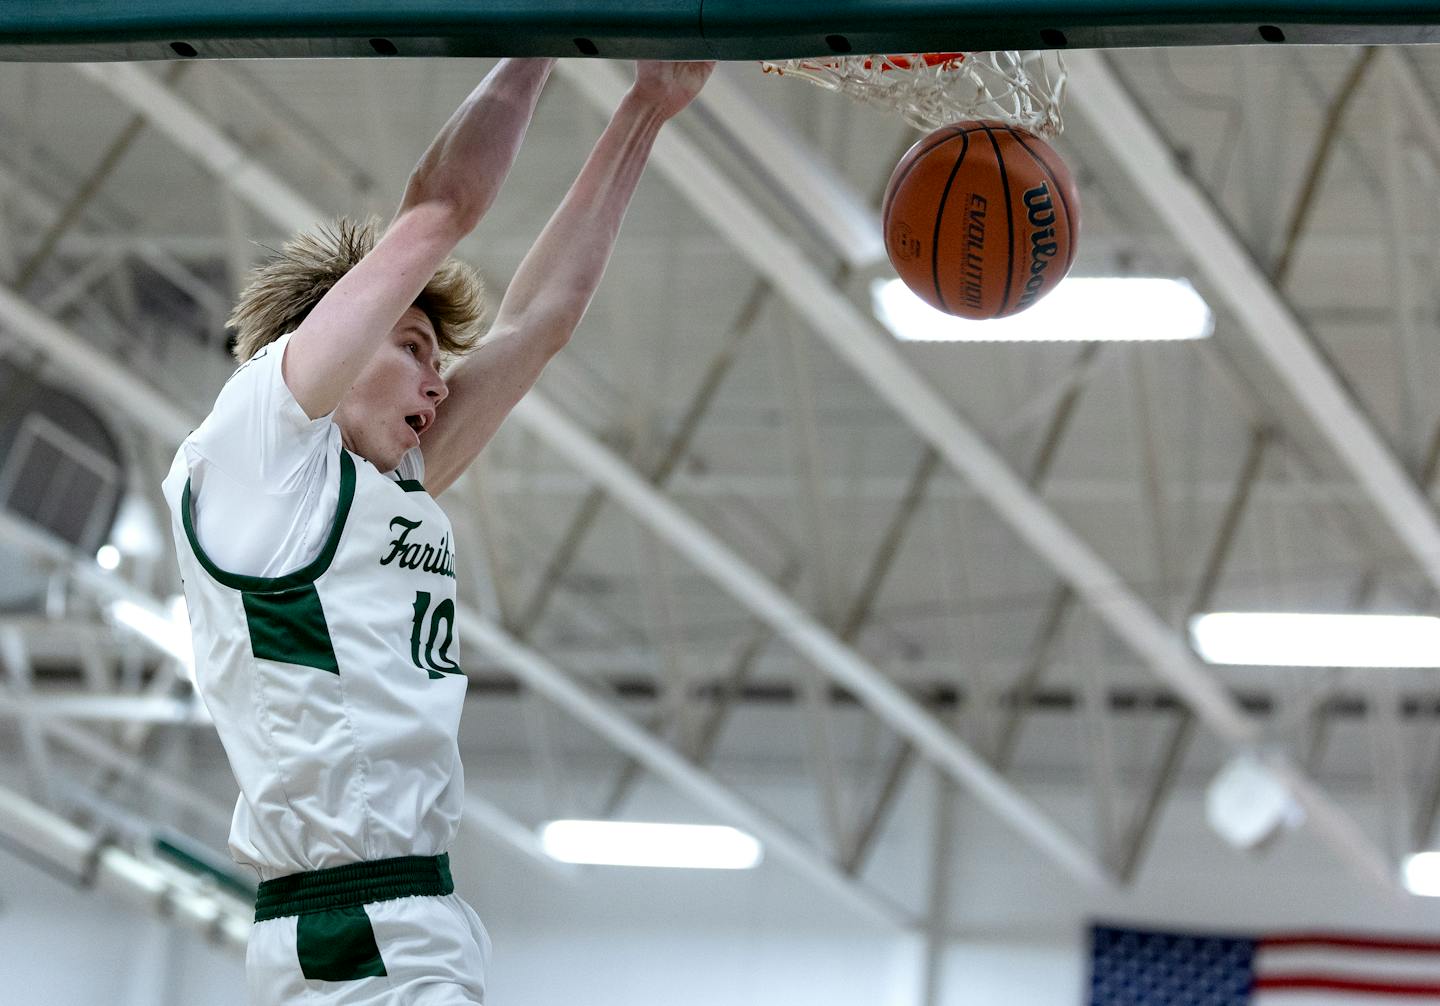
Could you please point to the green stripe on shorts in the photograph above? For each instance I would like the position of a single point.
(338, 945)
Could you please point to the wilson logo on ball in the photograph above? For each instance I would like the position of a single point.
(1041, 212)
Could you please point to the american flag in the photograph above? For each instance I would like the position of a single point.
(1136, 967)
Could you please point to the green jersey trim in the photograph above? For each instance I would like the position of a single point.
(410, 485)
(305, 574)
(289, 626)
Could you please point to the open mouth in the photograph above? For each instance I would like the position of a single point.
(418, 422)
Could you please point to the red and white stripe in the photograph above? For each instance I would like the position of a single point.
(1319, 969)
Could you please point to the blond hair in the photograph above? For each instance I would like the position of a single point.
(280, 292)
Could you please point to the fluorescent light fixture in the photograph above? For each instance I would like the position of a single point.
(169, 631)
(1278, 639)
(1422, 874)
(633, 843)
(108, 557)
(1080, 309)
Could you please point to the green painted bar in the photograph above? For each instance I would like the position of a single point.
(678, 29)
(71, 30)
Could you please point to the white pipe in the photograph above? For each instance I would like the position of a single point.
(52, 839)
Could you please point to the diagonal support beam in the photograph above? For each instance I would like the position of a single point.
(675, 450)
(816, 643)
(91, 369)
(1167, 773)
(804, 183)
(112, 756)
(197, 136)
(700, 743)
(70, 215)
(1266, 319)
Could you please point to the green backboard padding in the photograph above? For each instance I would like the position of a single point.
(149, 29)
(677, 29)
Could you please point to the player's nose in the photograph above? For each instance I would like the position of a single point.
(436, 389)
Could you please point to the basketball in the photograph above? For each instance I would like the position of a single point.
(981, 219)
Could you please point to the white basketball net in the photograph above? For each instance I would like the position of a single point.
(934, 89)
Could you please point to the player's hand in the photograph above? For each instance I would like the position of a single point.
(669, 87)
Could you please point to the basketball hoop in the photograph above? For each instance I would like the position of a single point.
(934, 89)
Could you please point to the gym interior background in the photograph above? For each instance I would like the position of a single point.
(622, 665)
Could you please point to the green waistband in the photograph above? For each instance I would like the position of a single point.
(353, 884)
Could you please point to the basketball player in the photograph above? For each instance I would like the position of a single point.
(319, 571)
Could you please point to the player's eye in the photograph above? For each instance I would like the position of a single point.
(414, 347)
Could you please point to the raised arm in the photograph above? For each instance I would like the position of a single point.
(449, 190)
(558, 276)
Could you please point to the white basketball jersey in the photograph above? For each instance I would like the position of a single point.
(336, 689)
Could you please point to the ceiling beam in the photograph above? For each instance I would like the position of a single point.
(819, 645)
(807, 186)
(91, 369)
(15, 658)
(1266, 319)
(202, 140)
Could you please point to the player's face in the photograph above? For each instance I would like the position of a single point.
(394, 399)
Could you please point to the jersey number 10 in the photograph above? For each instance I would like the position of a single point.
(424, 654)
